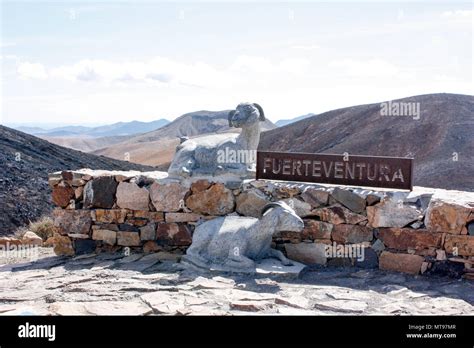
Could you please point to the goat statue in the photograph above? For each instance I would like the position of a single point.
(234, 243)
(206, 155)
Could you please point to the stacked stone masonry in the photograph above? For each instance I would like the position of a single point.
(426, 231)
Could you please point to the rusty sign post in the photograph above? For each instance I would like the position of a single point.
(374, 171)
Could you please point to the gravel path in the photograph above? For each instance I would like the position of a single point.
(109, 284)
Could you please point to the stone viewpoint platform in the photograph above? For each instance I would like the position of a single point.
(425, 231)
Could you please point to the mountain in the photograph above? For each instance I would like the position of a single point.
(281, 123)
(25, 162)
(115, 129)
(158, 147)
(441, 140)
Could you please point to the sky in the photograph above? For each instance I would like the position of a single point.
(103, 62)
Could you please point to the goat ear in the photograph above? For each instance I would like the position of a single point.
(229, 117)
(260, 111)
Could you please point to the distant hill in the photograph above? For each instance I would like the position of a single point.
(115, 129)
(281, 123)
(24, 191)
(445, 129)
(158, 147)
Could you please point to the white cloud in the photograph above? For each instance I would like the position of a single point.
(365, 68)
(31, 71)
(310, 47)
(256, 64)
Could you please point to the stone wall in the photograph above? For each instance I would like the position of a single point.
(426, 231)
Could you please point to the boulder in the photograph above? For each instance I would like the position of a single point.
(444, 216)
(314, 229)
(107, 236)
(168, 197)
(307, 253)
(338, 214)
(352, 234)
(100, 192)
(407, 238)
(405, 263)
(173, 234)
(302, 209)
(216, 200)
(131, 196)
(459, 245)
(251, 203)
(31, 238)
(62, 245)
(148, 232)
(115, 216)
(128, 238)
(392, 214)
(72, 221)
(315, 197)
(349, 199)
(62, 195)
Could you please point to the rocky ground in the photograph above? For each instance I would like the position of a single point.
(138, 284)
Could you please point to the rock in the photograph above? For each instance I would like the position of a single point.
(314, 229)
(440, 255)
(343, 306)
(84, 246)
(216, 200)
(370, 259)
(128, 228)
(444, 216)
(167, 197)
(307, 253)
(293, 301)
(151, 247)
(200, 185)
(401, 262)
(152, 216)
(372, 199)
(286, 191)
(184, 217)
(31, 238)
(72, 221)
(301, 208)
(115, 216)
(137, 222)
(407, 238)
(392, 214)
(447, 269)
(130, 196)
(100, 308)
(316, 198)
(339, 215)
(100, 192)
(459, 245)
(7, 241)
(251, 306)
(173, 234)
(349, 199)
(349, 234)
(378, 246)
(251, 203)
(128, 238)
(62, 195)
(107, 236)
(470, 228)
(78, 193)
(63, 245)
(148, 232)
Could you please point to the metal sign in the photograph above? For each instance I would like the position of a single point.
(374, 171)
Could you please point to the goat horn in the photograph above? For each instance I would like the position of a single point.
(271, 205)
(229, 117)
(260, 110)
